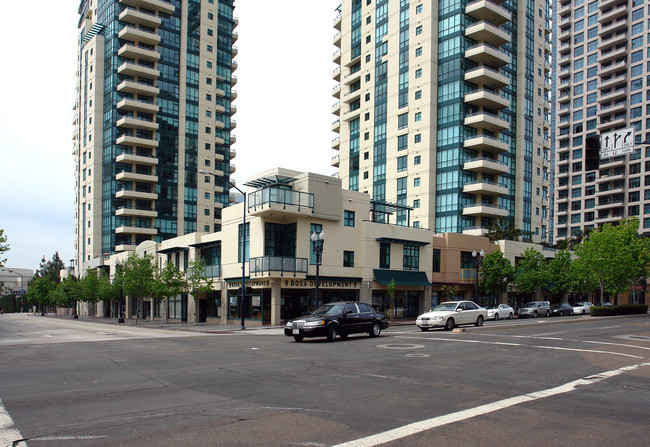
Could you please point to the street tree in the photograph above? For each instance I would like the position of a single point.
(51, 269)
(531, 272)
(41, 291)
(90, 288)
(561, 275)
(496, 274)
(4, 247)
(67, 293)
(197, 283)
(170, 281)
(138, 279)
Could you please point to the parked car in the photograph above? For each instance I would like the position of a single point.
(582, 308)
(498, 311)
(339, 318)
(451, 314)
(561, 309)
(535, 309)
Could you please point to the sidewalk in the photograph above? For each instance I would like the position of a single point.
(177, 325)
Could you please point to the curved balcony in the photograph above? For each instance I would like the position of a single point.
(336, 108)
(133, 52)
(337, 22)
(486, 165)
(131, 69)
(486, 143)
(336, 74)
(485, 120)
(136, 230)
(336, 57)
(153, 5)
(128, 122)
(485, 188)
(336, 160)
(135, 17)
(484, 210)
(486, 32)
(127, 194)
(487, 55)
(135, 177)
(133, 87)
(136, 159)
(486, 98)
(336, 40)
(336, 91)
(487, 77)
(487, 10)
(136, 212)
(128, 140)
(336, 142)
(139, 35)
(336, 126)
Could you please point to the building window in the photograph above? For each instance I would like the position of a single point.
(402, 121)
(418, 73)
(411, 257)
(418, 116)
(209, 48)
(348, 218)
(417, 138)
(418, 30)
(436, 260)
(417, 160)
(416, 181)
(206, 212)
(416, 203)
(402, 142)
(210, 32)
(348, 258)
(402, 163)
(418, 9)
(384, 255)
(418, 51)
(418, 94)
(244, 243)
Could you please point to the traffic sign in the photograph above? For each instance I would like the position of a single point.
(617, 142)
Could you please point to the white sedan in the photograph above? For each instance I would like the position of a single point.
(498, 311)
(451, 314)
(581, 308)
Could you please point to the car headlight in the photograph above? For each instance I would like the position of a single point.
(289, 324)
(438, 318)
(315, 323)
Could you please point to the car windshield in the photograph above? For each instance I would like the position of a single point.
(446, 306)
(330, 309)
(530, 305)
(493, 306)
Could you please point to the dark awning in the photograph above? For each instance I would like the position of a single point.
(206, 244)
(170, 250)
(401, 277)
(401, 241)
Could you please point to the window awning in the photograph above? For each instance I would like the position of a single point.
(170, 250)
(401, 277)
(202, 245)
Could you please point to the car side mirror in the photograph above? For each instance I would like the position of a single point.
(459, 310)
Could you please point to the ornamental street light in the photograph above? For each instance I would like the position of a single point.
(317, 242)
(478, 259)
(243, 255)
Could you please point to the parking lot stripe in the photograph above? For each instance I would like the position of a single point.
(429, 424)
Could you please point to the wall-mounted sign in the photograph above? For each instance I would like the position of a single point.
(617, 142)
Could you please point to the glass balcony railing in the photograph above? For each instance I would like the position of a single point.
(279, 196)
(277, 264)
(212, 271)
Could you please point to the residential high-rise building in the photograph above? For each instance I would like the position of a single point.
(601, 52)
(153, 106)
(444, 111)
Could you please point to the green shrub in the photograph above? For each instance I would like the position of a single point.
(628, 309)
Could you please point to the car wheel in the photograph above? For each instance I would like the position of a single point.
(424, 329)
(375, 330)
(548, 313)
(535, 314)
(479, 321)
(298, 338)
(331, 332)
(450, 324)
(496, 317)
(510, 317)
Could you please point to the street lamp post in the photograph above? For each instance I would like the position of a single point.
(478, 259)
(317, 242)
(118, 266)
(243, 255)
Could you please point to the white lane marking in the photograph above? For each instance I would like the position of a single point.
(577, 341)
(591, 351)
(429, 424)
(8, 431)
(68, 438)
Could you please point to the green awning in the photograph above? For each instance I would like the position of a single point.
(401, 277)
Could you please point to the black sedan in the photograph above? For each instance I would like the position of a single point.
(561, 310)
(339, 318)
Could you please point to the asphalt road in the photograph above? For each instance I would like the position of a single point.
(578, 381)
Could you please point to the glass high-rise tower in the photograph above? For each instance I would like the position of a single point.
(444, 111)
(153, 107)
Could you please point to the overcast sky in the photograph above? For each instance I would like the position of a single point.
(283, 119)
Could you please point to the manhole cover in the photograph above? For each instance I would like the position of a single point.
(400, 346)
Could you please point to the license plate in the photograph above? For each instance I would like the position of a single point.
(296, 331)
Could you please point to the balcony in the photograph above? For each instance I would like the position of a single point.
(351, 96)
(351, 114)
(604, 111)
(235, 36)
(270, 200)
(612, 54)
(134, 105)
(232, 168)
(136, 230)
(132, 87)
(336, 74)
(615, 13)
(153, 5)
(615, 26)
(125, 247)
(232, 152)
(337, 22)
(612, 68)
(487, 10)
(486, 98)
(611, 124)
(485, 188)
(336, 126)
(336, 91)
(278, 265)
(235, 51)
(136, 123)
(336, 40)
(486, 143)
(135, 17)
(605, 44)
(351, 78)
(133, 52)
(484, 210)
(137, 35)
(486, 32)
(136, 212)
(485, 120)
(486, 165)
(609, 204)
(487, 55)
(487, 77)
(610, 178)
(131, 69)
(336, 57)
(613, 82)
(135, 177)
(336, 142)
(128, 194)
(136, 159)
(128, 140)
(336, 108)
(336, 160)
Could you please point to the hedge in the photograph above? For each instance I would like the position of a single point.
(629, 309)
